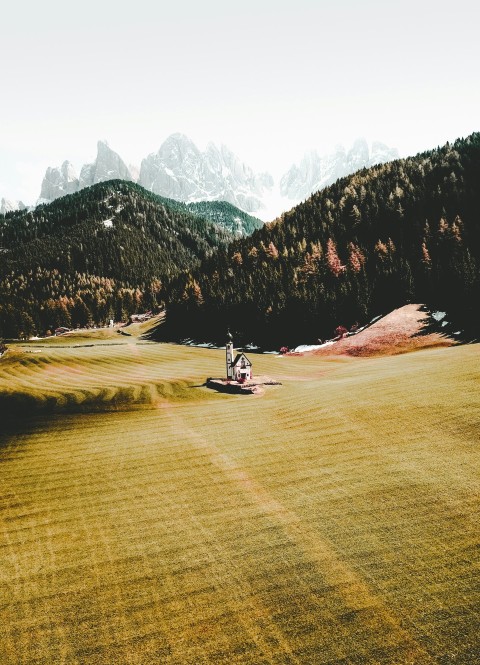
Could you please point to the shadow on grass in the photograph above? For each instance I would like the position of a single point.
(19, 412)
(447, 327)
(15, 424)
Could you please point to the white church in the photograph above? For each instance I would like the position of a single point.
(239, 367)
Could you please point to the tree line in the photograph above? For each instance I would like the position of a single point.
(101, 253)
(405, 231)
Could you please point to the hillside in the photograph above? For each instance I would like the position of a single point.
(405, 231)
(101, 253)
(226, 215)
(408, 328)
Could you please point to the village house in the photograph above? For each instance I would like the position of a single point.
(239, 367)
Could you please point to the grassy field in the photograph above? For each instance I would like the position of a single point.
(333, 520)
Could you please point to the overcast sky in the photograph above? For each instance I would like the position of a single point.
(270, 79)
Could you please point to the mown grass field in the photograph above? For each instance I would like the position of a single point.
(333, 520)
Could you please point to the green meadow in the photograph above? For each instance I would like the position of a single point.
(146, 519)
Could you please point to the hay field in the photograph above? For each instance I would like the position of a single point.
(333, 520)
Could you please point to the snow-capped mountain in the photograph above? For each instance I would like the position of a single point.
(179, 170)
(59, 181)
(315, 171)
(10, 206)
(107, 166)
(63, 180)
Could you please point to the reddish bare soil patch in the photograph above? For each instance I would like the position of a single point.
(397, 332)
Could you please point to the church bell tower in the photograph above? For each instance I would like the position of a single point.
(229, 355)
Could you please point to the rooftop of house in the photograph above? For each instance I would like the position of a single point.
(238, 357)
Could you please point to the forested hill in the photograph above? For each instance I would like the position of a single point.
(225, 215)
(100, 253)
(404, 231)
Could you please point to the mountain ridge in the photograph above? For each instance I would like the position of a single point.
(180, 170)
(317, 171)
(7, 205)
(63, 180)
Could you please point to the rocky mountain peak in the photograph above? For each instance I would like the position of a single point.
(181, 171)
(316, 172)
(59, 181)
(6, 205)
(62, 180)
(381, 153)
(108, 165)
(178, 149)
(359, 155)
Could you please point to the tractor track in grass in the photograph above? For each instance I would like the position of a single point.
(358, 598)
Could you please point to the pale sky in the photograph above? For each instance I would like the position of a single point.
(270, 79)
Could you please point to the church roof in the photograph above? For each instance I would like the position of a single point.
(238, 357)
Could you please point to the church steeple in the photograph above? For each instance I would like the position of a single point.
(229, 355)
